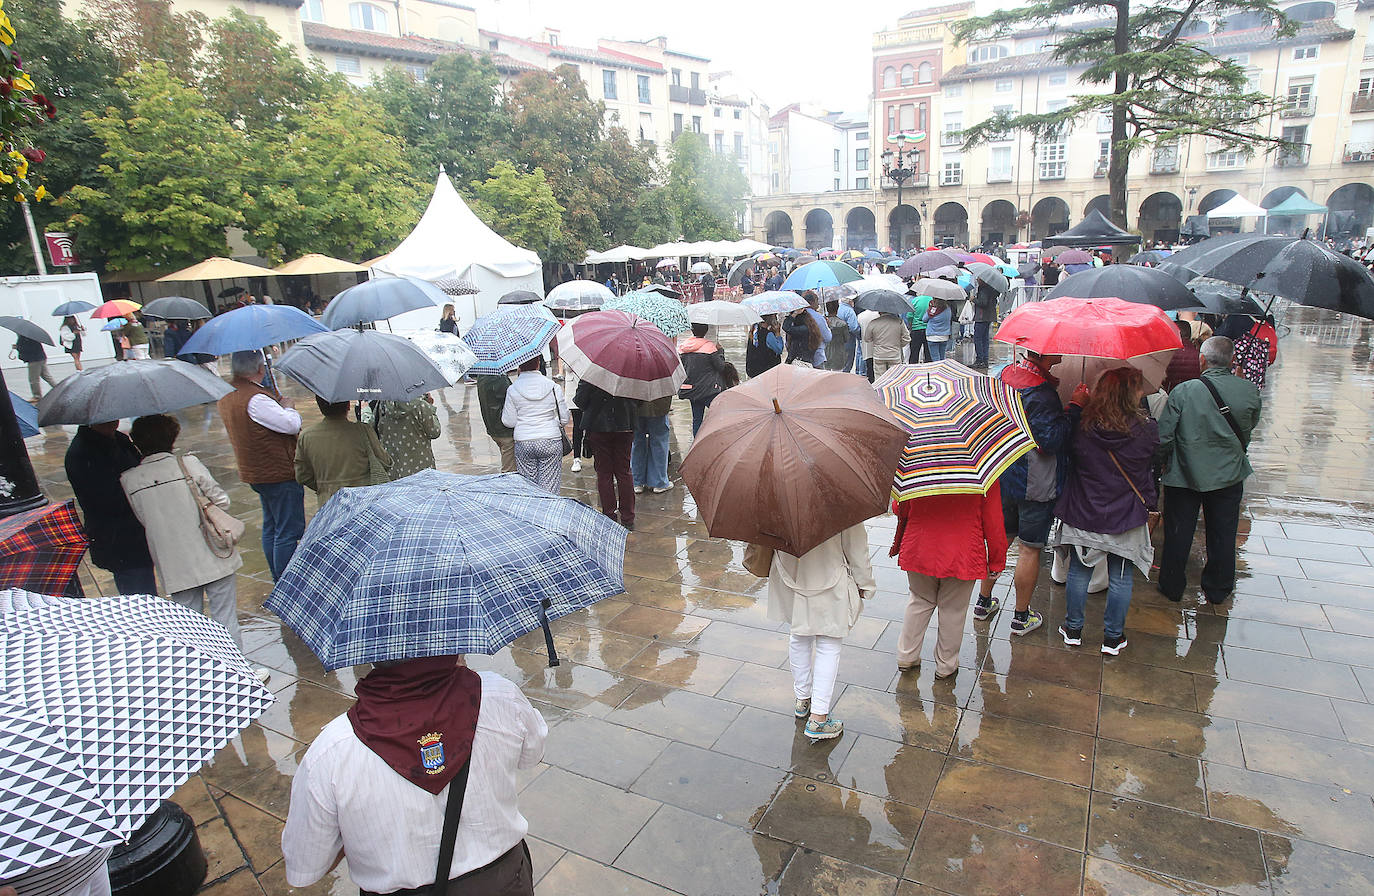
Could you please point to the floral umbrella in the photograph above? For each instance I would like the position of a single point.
(668, 314)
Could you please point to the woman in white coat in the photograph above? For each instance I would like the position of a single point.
(820, 596)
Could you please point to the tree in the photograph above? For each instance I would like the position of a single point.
(520, 207)
(1161, 86)
(138, 32)
(169, 184)
(707, 189)
(254, 80)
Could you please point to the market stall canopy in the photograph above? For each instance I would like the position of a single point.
(315, 263)
(1297, 204)
(618, 255)
(1237, 207)
(1093, 230)
(218, 268)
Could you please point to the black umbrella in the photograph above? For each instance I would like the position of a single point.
(176, 308)
(738, 270)
(1187, 263)
(883, 300)
(1151, 256)
(129, 389)
(354, 365)
(1131, 283)
(1221, 298)
(520, 297)
(231, 291)
(26, 328)
(380, 299)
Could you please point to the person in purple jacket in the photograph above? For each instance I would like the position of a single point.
(1105, 507)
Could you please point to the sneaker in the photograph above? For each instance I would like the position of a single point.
(1030, 623)
(666, 488)
(802, 709)
(577, 465)
(1112, 646)
(1073, 637)
(262, 674)
(941, 676)
(829, 729)
(641, 489)
(985, 609)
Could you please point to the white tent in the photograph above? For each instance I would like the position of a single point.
(452, 242)
(618, 255)
(1237, 207)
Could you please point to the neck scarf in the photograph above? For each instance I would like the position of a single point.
(420, 716)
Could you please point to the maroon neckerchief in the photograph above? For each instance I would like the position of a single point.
(420, 716)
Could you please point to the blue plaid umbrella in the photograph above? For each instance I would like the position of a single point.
(502, 342)
(438, 564)
(664, 312)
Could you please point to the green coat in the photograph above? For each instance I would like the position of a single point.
(334, 454)
(916, 321)
(1201, 452)
(491, 399)
(405, 429)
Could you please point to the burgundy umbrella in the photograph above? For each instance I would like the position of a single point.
(623, 354)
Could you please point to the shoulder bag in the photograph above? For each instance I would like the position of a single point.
(1152, 516)
(220, 529)
(562, 430)
(1225, 412)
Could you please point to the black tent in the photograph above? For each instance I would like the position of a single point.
(1093, 230)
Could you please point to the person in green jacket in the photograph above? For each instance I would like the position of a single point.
(405, 429)
(1205, 469)
(491, 399)
(916, 322)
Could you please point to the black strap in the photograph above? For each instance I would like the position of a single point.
(452, 812)
(1225, 411)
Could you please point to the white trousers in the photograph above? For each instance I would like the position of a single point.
(218, 600)
(815, 663)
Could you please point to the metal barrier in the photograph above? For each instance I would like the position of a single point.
(1020, 295)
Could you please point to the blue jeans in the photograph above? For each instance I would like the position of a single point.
(936, 349)
(982, 332)
(699, 413)
(283, 521)
(1118, 593)
(649, 454)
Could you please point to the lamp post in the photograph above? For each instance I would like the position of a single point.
(907, 165)
(932, 225)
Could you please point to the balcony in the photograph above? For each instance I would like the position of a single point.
(918, 182)
(1293, 156)
(1164, 163)
(951, 138)
(1100, 168)
(1358, 152)
(952, 178)
(1052, 170)
(692, 96)
(1362, 102)
(999, 175)
(1299, 108)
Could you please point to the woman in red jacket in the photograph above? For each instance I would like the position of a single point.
(946, 543)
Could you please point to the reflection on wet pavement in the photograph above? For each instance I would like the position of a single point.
(1229, 749)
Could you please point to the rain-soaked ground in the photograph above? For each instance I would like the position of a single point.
(1227, 750)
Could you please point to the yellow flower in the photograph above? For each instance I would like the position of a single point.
(21, 170)
(5, 178)
(41, 193)
(22, 81)
(19, 197)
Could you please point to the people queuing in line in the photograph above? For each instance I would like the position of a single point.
(704, 363)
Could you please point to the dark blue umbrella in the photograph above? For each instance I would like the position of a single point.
(438, 564)
(69, 308)
(380, 299)
(27, 416)
(250, 328)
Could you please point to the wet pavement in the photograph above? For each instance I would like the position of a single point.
(1228, 749)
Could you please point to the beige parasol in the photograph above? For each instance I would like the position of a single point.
(218, 268)
(315, 263)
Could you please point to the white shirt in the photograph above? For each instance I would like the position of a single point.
(535, 408)
(264, 411)
(345, 796)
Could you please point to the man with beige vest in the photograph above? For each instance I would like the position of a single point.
(262, 427)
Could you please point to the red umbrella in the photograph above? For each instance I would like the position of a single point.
(1096, 328)
(985, 258)
(41, 549)
(623, 354)
(116, 308)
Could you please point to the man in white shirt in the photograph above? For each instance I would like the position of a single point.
(373, 787)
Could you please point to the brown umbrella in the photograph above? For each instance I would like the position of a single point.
(792, 457)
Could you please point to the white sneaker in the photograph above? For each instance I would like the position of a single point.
(262, 674)
(666, 488)
(641, 489)
(577, 465)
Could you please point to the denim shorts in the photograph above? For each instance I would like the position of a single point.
(1028, 521)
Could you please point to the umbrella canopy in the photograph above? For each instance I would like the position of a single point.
(249, 328)
(41, 549)
(502, 342)
(26, 328)
(129, 389)
(1297, 204)
(92, 739)
(456, 286)
(925, 262)
(1093, 230)
(116, 308)
(520, 297)
(1098, 328)
(578, 295)
(989, 274)
(437, 564)
(1152, 256)
(964, 429)
(623, 354)
(774, 302)
(701, 267)
(1075, 369)
(26, 414)
(361, 365)
(231, 291)
(667, 263)
(819, 274)
(114, 323)
(948, 272)
(446, 351)
(218, 268)
(380, 299)
(69, 308)
(1238, 207)
(662, 289)
(740, 268)
(664, 312)
(1073, 256)
(1054, 251)
(978, 256)
(1187, 263)
(1133, 283)
(722, 314)
(884, 301)
(939, 289)
(176, 308)
(1222, 298)
(315, 263)
(877, 281)
(1028, 270)
(792, 457)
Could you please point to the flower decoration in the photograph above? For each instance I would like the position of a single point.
(22, 109)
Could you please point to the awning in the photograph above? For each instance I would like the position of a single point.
(1238, 207)
(1093, 230)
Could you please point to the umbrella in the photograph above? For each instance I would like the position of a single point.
(801, 260)
(740, 268)
(249, 328)
(218, 268)
(176, 308)
(774, 302)
(1077, 268)
(109, 705)
(1027, 270)
(69, 308)
(1220, 297)
(520, 297)
(948, 272)
(1054, 251)
(315, 263)
(1098, 328)
(114, 323)
(456, 286)
(230, 291)
(722, 314)
(438, 564)
(662, 289)
(939, 289)
(883, 300)
(358, 365)
(1008, 270)
(1131, 282)
(1186, 263)
(40, 550)
(792, 457)
(380, 299)
(986, 273)
(622, 354)
(667, 263)
(26, 414)
(964, 429)
(668, 314)
(819, 274)
(26, 328)
(701, 267)
(1072, 256)
(1075, 369)
(448, 353)
(578, 295)
(116, 308)
(925, 262)
(1151, 256)
(502, 342)
(878, 281)
(129, 389)
(978, 256)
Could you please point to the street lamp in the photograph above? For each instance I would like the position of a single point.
(908, 159)
(923, 219)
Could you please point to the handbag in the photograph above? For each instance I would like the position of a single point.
(758, 559)
(966, 313)
(220, 529)
(1151, 516)
(562, 430)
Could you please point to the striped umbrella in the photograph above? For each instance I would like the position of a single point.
(964, 428)
(664, 312)
(502, 342)
(623, 354)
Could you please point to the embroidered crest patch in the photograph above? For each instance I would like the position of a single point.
(432, 752)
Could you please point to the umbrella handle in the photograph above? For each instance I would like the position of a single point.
(777, 408)
(548, 635)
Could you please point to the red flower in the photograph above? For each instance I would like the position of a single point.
(35, 155)
(6, 86)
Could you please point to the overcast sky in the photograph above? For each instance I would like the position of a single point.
(805, 51)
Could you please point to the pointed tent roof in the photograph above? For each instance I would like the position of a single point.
(1237, 207)
(1297, 204)
(450, 240)
(1093, 230)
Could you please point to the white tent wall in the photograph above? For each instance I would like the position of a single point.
(492, 287)
(34, 298)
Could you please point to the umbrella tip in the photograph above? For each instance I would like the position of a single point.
(777, 408)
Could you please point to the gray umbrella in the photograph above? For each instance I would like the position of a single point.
(176, 308)
(129, 389)
(520, 297)
(738, 270)
(380, 299)
(986, 273)
(21, 327)
(939, 289)
(883, 300)
(354, 365)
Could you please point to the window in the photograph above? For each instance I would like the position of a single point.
(696, 124)
(608, 90)
(952, 133)
(952, 175)
(1300, 94)
(861, 183)
(861, 159)
(696, 80)
(348, 65)
(889, 78)
(1224, 158)
(837, 183)
(1003, 110)
(772, 148)
(921, 121)
(417, 73)
(908, 75)
(1104, 149)
(891, 120)
(739, 146)
(553, 40)
(837, 160)
(999, 164)
(1296, 153)
(1058, 79)
(643, 82)
(366, 17)
(677, 77)
(986, 54)
(1104, 122)
(775, 180)
(737, 115)
(677, 123)
(925, 73)
(1301, 53)
(953, 90)
(908, 119)
(646, 126)
(861, 137)
(1003, 85)
(312, 11)
(1053, 160)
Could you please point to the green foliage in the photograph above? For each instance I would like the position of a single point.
(707, 189)
(138, 32)
(254, 80)
(520, 207)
